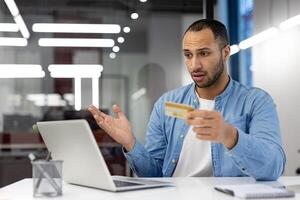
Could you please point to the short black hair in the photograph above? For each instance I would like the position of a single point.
(218, 29)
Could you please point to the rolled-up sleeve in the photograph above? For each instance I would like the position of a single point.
(259, 153)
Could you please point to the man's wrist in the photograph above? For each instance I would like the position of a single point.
(128, 147)
(232, 138)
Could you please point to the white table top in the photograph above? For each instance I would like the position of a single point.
(185, 188)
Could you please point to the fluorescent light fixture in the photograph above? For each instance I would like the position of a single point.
(234, 49)
(116, 49)
(138, 94)
(134, 15)
(46, 99)
(12, 7)
(76, 28)
(126, 29)
(260, 37)
(75, 71)
(37, 99)
(143, 1)
(112, 55)
(11, 41)
(77, 93)
(95, 92)
(70, 98)
(121, 40)
(21, 24)
(289, 23)
(21, 71)
(9, 27)
(75, 42)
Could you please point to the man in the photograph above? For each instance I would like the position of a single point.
(232, 131)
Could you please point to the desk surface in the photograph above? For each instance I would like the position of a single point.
(185, 188)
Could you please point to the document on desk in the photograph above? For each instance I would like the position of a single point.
(255, 190)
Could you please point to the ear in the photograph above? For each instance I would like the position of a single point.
(226, 52)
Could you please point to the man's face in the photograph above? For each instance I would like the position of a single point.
(204, 57)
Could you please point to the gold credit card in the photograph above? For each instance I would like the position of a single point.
(177, 109)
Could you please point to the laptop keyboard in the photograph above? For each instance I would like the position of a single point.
(125, 184)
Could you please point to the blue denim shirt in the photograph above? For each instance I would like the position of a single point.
(258, 152)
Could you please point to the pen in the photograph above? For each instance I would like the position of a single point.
(44, 173)
(41, 175)
(227, 191)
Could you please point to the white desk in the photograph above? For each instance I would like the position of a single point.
(185, 188)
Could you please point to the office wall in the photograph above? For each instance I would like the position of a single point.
(16, 90)
(276, 70)
(151, 58)
(157, 66)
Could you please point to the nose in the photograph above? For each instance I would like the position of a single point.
(196, 63)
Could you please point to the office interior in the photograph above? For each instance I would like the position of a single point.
(144, 61)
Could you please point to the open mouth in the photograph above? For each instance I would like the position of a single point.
(198, 76)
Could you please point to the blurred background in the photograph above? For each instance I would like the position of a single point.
(128, 52)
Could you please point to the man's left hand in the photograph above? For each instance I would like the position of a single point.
(210, 125)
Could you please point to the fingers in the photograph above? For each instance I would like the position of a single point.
(201, 130)
(201, 114)
(97, 114)
(204, 137)
(200, 122)
(203, 133)
(104, 123)
(118, 111)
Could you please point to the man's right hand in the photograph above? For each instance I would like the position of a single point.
(118, 128)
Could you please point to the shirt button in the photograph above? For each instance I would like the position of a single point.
(173, 161)
(181, 136)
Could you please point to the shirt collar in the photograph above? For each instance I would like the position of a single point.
(227, 89)
(219, 97)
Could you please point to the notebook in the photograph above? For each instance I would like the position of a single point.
(255, 190)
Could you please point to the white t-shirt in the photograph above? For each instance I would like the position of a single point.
(195, 157)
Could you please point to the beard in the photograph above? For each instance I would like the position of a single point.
(214, 77)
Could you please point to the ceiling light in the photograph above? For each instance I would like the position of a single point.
(134, 15)
(260, 37)
(11, 41)
(116, 49)
(138, 94)
(112, 55)
(12, 7)
(76, 28)
(234, 49)
(120, 39)
(126, 29)
(143, 1)
(21, 71)
(46, 99)
(21, 24)
(75, 42)
(95, 92)
(75, 71)
(289, 23)
(69, 98)
(8, 27)
(77, 93)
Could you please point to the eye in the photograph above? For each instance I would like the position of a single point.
(204, 53)
(188, 55)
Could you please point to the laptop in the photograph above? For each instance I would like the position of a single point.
(73, 142)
